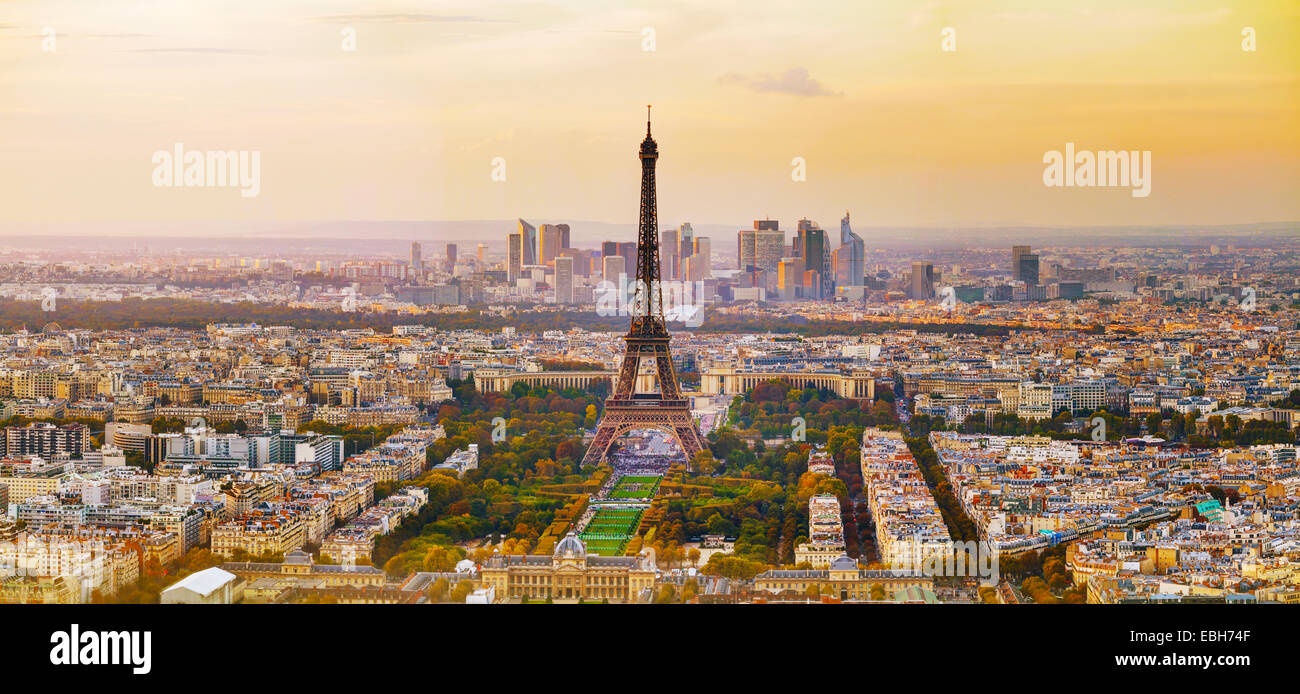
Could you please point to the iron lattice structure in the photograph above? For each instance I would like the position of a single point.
(647, 339)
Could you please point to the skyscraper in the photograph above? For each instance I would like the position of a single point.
(528, 243)
(614, 265)
(810, 244)
(628, 250)
(549, 242)
(812, 284)
(608, 248)
(922, 286)
(417, 262)
(451, 257)
(482, 252)
(514, 256)
(850, 257)
(1027, 268)
(581, 260)
(789, 276)
(1016, 252)
(564, 235)
(685, 245)
(702, 258)
(760, 248)
(669, 254)
(563, 280)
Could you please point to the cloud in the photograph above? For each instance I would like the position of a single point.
(794, 81)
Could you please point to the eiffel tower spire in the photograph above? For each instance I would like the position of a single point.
(647, 299)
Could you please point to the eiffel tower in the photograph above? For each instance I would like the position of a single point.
(647, 338)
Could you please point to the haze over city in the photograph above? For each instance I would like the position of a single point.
(406, 126)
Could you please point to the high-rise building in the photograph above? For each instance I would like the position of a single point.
(482, 252)
(669, 248)
(810, 244)
(746, 240)
(1027, 268)
(417, 262)
(789, 276)
(850, 257)
(614, 265)
(685, 244)
(451, 257)
(549, 243)
(922, 286)
(564, 235)
(563, 280)
(760, 248)
(514, 256)
(629, 252)
(528, 241)
(812, 284)
(1016, 252)
(608, 248)
(581, 260)
(701, 259)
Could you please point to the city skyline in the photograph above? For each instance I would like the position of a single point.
(381, 303)
(860, 105)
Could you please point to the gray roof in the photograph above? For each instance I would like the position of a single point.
(204, 582)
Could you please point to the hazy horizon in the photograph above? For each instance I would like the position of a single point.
(394, 237)
(888, 124)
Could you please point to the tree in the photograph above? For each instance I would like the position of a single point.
(439, 590)
(462, 590)
(704, 463)
(1154, 421)
(694, 556)
(732, 566)
(667, 594)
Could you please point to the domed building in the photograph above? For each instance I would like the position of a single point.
(570, 574)
(570, 548)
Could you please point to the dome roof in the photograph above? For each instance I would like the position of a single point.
(844, 563)
(570, 546)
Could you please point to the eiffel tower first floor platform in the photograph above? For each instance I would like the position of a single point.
(623, 415)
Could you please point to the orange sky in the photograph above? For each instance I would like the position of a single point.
(891, 127)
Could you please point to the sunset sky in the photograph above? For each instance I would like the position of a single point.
(891, 127)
